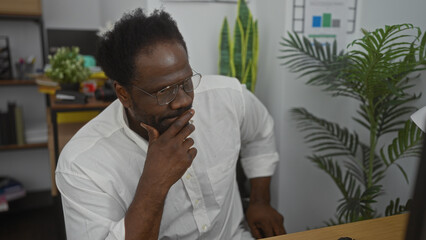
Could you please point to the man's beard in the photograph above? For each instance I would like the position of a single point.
(161, 127)
(158, 123)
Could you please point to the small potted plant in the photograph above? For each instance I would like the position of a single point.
(67, 68)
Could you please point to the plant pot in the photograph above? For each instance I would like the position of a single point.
(70, 86)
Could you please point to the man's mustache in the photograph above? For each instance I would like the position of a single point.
(177, 113)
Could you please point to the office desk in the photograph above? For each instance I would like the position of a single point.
(63, 121)
(385, 228)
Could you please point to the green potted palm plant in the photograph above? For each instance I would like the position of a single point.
(67, 68)
(378, 71)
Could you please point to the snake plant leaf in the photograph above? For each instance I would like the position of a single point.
(253, 69)
(243, 48)
(248, 42)
(255, 47)
(225, 50)
(238, 50)
(243, 14)
(247, 77)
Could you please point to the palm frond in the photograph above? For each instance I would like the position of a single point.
(406, 144)
(378, 166)
(385, 57)
(326, 137)
(357, 206)
(344, 184)
(391, 113)
(333, 222)
(322, 63)
(395, 207)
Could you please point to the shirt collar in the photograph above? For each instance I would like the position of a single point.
(124, 122)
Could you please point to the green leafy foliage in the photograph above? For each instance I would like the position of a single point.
(395, 207)
(67, 66)
(379, 71)
(238, 56)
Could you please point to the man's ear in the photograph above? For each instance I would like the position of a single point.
(123, 95)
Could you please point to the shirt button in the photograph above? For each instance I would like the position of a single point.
(204, 227)
(188, 176)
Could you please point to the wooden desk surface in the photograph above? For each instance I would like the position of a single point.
(386, 228)
(91, 103)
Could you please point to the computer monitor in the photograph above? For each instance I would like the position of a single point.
(416, 228)
(86, 40)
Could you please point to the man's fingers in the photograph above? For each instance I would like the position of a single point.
(180, 122)
(186, 131)
(153, 134)
(255, 232)
(188, 143)
(192, 152)
(267, 230)
(278, 229)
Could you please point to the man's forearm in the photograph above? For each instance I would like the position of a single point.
(143, 218)
(259, 191)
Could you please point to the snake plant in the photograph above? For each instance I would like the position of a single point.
(379, 71)
(238, 57)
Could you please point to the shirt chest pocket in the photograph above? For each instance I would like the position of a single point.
(222, 177)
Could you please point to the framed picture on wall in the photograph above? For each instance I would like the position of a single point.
(188, 0)
(229, 1)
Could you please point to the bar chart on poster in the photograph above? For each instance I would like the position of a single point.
(325, 20)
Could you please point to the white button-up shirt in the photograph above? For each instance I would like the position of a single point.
(99, 169)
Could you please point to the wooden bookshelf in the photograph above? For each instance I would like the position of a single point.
(15, 82)
(24, 146)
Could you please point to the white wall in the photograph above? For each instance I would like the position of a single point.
(200, 24)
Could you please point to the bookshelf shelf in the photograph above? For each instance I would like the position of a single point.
(15, 82)
(24, 146)
(33, 200)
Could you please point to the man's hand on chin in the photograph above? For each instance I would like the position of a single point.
(264, 221)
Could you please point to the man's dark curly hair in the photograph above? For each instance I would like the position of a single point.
(133, 33)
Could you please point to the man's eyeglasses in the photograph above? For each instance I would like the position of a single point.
(168, 94)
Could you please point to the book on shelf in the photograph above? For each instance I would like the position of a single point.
(19, 124)
(10, 190)
(4, 139)
(4, 205)
(12, 125)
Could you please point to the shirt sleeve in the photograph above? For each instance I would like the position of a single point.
(258, 151)
(89, 213)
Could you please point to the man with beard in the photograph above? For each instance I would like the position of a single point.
(159, 162)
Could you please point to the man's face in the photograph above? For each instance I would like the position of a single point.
(166, 64)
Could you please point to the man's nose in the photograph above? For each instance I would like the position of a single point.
(182, 99)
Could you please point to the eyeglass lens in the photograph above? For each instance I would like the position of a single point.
(167, 95)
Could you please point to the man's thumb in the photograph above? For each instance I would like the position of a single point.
(152, 132)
